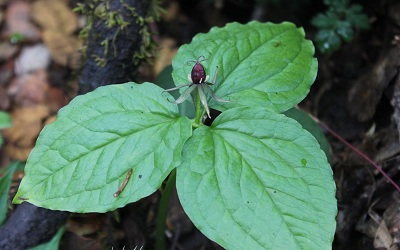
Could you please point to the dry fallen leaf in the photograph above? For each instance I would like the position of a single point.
(55, 99)
(4, 100)
(85, 224)
(63, 48)
(7, 50)
(365, 94)
(27, 124)
(29, 89)
(171, 11)
(7, 72)
(54, 15)
(50, 120)
(165, 55)
(18, 20)
(382, 239)
(392, 219)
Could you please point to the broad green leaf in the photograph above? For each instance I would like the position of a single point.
(257, 180)
(5, 120)
(259, 64)
(311, 126)
(5, 184)
(80, 161)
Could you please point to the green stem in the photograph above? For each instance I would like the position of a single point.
(199, 111)
(163, 210)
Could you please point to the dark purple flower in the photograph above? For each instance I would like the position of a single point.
(198, 80)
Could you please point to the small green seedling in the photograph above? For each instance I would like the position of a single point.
(339, 22)
(253, 179)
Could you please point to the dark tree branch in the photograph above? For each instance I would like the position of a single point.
(114, 47)
(29, 226)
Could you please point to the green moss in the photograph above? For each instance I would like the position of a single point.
(95, 9)
(100, 61)
(148, 46)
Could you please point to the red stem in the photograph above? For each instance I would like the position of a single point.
(360, 153)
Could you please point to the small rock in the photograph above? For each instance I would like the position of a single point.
(32, 58)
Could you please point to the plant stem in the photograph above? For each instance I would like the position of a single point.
(199, 111)
(163, 210)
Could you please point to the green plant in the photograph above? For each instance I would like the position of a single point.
(6, 175)
(53, 243)
(338, 23)
(5, 122)
(254, 179)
